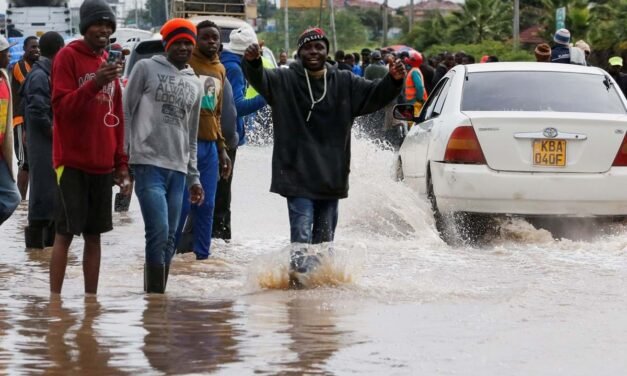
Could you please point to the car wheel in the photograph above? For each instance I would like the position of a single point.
(457, 228)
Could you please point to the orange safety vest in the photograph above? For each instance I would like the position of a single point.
(410, 87)
(20, 70)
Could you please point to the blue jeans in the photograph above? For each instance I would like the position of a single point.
(160, 193)
(203, 214)
(9, 195)
(312, 221)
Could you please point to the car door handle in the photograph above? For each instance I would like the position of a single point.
(560, 135)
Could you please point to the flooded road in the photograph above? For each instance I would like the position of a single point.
(395, 301)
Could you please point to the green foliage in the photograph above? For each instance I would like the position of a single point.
(504, 51)
(351, 33)
(481, 20)
(433, 30)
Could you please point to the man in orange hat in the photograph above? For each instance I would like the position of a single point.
(162, 108)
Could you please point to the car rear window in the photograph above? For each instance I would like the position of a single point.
(541, 91)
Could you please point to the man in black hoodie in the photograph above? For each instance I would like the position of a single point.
(313, 107)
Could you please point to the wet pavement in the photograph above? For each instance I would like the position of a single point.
(395, 300)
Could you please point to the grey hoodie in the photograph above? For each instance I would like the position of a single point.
(162, 109)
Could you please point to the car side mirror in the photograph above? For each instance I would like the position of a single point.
(404, 112)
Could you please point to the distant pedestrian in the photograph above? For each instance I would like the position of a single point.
(357, 69)
(88, 155)
(162, 140)
(543, 53)
(213, 161)
(415, 91)
(18, 75)
(560, 53)
(9, 194)
(365, 58)
(427, 73)
(375, 70)
(283, 60)
(448, 62)
(313, 107)
(36, 98)
(340, 57)
(231, 58)
(615, 66)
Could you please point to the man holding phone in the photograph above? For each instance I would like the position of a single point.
(88, 141)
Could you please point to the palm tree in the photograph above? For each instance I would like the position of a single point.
(481, 20)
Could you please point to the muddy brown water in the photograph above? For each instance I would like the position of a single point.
(394, 301)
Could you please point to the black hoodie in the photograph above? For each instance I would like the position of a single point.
(311, 159)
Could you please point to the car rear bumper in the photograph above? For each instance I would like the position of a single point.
(479, 189)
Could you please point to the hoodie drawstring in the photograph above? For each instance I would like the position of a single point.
(315, 101)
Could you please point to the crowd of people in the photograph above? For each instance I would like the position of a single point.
(173, 131)
(171, 134)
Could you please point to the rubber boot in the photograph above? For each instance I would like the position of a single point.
(167, 273)
(154, 279)
(34, 236)
(49, 234)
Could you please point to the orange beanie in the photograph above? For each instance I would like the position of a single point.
(178, 28)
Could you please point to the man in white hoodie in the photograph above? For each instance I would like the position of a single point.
(162, 109)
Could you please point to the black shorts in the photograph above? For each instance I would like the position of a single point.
(84, 203)
(19, 145)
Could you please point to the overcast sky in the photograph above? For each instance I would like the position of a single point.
(131, 3)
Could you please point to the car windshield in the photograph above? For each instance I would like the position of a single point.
(541, 91)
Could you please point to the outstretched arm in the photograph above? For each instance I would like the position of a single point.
(370, 96)
(263, 80)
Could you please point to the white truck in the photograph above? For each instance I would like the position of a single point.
(34, 17)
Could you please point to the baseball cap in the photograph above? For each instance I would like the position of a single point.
(4, 44)
(615, 60)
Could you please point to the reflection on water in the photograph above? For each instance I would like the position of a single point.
(394, 300)
(186, 337)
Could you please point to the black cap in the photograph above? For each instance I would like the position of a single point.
(365, 51)
(93, 11)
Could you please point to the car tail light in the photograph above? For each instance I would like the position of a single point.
(463, 147)
(621, 156)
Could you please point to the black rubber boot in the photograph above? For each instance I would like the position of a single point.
(34, 236)
(167, 273)
(154, 279)
(49, 234)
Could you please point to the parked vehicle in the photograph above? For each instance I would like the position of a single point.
(522, 139)
(35, 17)
(147, 48)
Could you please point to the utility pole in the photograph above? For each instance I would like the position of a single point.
(287, 29)
(516, 24)
(385, 23)
(333, 26)
(411, 15)
(136, 15)
(167, 11)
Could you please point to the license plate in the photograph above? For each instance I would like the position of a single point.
(549, 153)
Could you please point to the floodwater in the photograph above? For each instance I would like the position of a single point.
(396, 300)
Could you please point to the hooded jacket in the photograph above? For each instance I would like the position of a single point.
(162, 108)
(311, 159)
(212, 76)
(35, 94)
(228, 118)
(88, 124)
(233, 64)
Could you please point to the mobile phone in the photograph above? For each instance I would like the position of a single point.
(114, 56)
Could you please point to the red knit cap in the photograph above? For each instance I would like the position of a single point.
(178, 28)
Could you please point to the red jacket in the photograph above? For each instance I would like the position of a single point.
(84, 136)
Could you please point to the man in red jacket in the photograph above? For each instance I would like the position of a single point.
(88, 142)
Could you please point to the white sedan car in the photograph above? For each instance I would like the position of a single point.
(524, 139)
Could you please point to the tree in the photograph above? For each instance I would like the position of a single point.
(351, 33)
(434, 29)
(481, 20)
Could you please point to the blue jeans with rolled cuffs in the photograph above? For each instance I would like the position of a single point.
(312, 221)
(160, 194)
